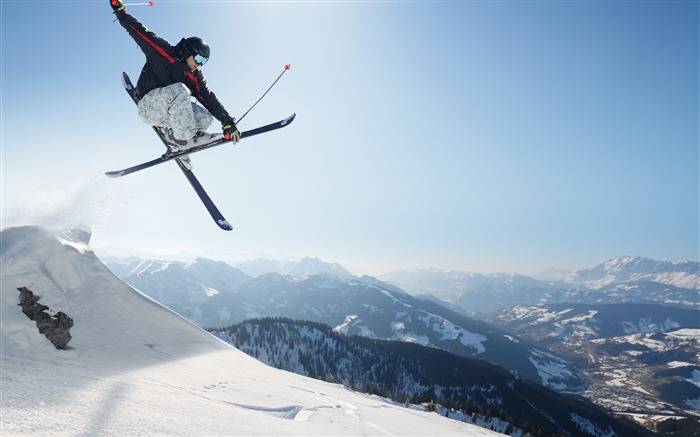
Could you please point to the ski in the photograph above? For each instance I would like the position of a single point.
(203, 196)
(169, 155)
(206, 200)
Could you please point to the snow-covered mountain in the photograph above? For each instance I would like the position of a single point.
(475, 293)
(361, 306)
(622, 279)
(134, 367)
(183, 287)
(625, 269)
(471, 390)
(643, 360)
(555, 323)
(378, 310)
(306, 267)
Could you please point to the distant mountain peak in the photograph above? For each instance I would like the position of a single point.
(314, 266)
(627, 268)
(307, 266)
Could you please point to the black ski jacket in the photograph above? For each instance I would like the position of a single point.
(164, 67)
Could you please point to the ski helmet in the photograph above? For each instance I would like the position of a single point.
(197, 46)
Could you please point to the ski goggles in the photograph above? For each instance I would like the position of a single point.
(199, 59)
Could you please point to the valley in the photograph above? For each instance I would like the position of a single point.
(622, 337)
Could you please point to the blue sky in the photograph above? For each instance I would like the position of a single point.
(484, 136)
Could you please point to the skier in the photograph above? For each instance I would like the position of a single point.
(170, 76)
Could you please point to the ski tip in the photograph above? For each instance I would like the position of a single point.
(288, 66)
(225, 225)
(115, 174)
(289, 119)
(126, 81)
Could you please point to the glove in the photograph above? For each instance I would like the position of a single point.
(231, 132)
(117, 5)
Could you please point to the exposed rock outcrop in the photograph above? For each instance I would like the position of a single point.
(56, 328)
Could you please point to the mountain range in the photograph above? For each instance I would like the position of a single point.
(380, 310)
(362, 306)
(305, 267)
(618, 280)
(626, 269)
(642, 359)
(134, 367)
(472, 390)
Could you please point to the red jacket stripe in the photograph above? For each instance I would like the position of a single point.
(196, 85)
(155, 46)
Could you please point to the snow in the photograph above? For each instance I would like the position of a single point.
(551, 369)
(693, 404)
(136, 368)
(696, 377)
(643, 340)
(449, 331)
(210, 291)
(590, 429)
(413, 338)
(397, 326)
(550, 316)
(408, 337)
(674, 364)
(687, 334)
(645, 325)
(343, 328)
(683, 274)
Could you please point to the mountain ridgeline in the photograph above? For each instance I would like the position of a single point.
(407, 372)
(354, 306)
(622, 334)
(624, 279)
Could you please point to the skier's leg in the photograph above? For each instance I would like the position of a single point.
(202, 118)
(170, 106)
(180, 115)
(153, 108)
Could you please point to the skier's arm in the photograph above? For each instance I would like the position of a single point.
(149, 42)
(208, 100)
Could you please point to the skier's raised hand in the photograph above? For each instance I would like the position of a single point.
(117, 5)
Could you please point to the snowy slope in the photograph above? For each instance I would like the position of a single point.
(134, 367)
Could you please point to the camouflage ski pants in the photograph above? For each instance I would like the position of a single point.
(170, 106)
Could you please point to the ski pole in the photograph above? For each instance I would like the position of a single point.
(286, 67)
(139, 4)
(114, 3)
